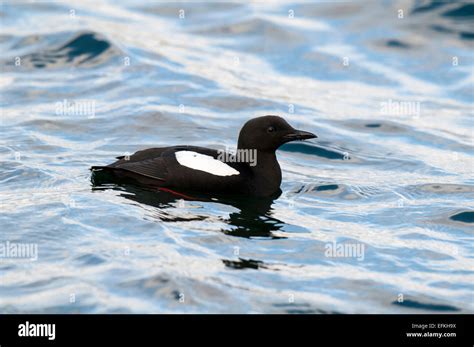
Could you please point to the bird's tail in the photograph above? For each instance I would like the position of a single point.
(98, 168)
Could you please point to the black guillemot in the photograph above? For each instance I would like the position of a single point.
(252, 170)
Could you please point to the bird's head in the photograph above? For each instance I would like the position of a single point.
(267, 133)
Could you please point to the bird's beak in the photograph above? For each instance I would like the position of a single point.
(299, 135)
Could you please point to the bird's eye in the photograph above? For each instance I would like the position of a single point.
(271, 129)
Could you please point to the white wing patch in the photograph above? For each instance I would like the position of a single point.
(206, 163)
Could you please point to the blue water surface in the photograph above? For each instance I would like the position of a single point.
(387, 86)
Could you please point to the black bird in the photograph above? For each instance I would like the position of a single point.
(252, 170)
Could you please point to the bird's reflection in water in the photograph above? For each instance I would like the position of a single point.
(254, 218)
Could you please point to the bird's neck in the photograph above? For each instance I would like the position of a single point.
(266, 173)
